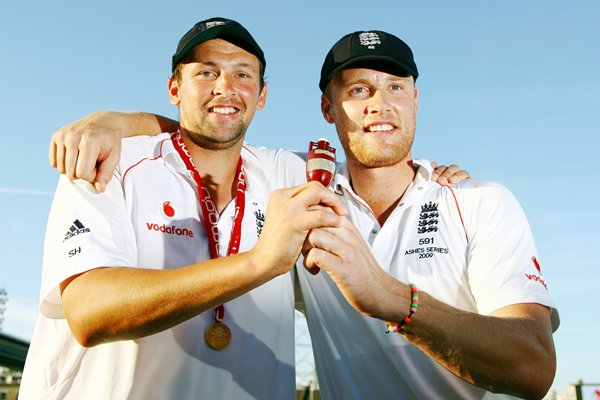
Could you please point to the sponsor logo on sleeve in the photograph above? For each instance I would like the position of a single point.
(75, 229)
(535, 277)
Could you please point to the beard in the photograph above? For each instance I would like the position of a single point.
(209, 135)
(372, 150)
(223, 137)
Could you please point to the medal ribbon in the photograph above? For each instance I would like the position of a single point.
(210, 214)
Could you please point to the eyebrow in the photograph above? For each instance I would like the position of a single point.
(362, 80)
(238, 65)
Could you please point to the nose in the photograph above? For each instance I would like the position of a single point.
(378, 103)
(223, 86)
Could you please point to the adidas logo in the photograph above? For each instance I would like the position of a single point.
(75, 229)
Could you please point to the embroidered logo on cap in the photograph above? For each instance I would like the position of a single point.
(369, 39)
(212, 24)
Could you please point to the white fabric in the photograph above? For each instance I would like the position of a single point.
(479, 262)
(129, 225)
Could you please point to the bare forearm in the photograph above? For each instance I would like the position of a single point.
(511, 352)
(120, 303)
(136, 123)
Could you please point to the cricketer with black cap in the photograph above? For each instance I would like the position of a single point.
(218, 28)
(374, 49)
(450, 273)
(167, 291)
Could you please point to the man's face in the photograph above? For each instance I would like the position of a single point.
(374, 114)
(218, 93)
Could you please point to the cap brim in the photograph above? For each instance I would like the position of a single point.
(376, 62)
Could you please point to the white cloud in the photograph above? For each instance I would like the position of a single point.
(26, 191)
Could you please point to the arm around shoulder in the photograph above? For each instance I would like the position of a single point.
(89, 148)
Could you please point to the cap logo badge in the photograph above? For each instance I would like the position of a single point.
(212, 24)
(369, 39)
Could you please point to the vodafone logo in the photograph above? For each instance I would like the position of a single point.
(536, 278)
(537, 265)
(170, 230)
(168, 209)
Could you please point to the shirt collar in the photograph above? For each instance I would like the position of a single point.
(252, 166)
(342, 175)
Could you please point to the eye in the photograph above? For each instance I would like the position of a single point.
(396, 86)
(358, 91)
(207, 74)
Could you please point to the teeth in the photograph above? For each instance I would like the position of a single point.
(223, 110)
(381, 128)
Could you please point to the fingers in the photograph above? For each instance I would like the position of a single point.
(87, 149)
(459, 176)
(446, 175)
(59, 153)
(64, 151)
(52, 153)
(106, 170)
(316, 258)
(89, 160)
(70, 158)
(314, 194)
(326, 247)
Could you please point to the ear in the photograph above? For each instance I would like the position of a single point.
(416, 99)
(326, 109)
(262, 98)
(174, 92)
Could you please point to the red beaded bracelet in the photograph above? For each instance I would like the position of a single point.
(414, 304)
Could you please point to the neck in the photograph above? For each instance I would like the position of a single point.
(218, 170)
(391, 183)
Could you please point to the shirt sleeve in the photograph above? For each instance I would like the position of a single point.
(503, 264)
(86, 230)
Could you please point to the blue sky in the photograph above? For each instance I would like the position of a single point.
(508, 90)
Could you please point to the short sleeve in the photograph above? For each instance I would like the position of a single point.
(86, 230)
(503, 264)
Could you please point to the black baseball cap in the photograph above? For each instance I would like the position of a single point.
(217, 28)
(368, 49)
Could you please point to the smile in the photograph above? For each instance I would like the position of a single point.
(223, 110)
(379, 128)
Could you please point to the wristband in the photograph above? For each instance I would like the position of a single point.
(414, 304)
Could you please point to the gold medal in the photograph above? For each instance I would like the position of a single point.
(218, 336)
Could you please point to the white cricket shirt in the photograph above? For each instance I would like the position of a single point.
(468, 245)
(149, 217)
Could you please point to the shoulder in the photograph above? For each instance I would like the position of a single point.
(478, 190)
(283, 167)
(485, 202)
(264, 154)
(138, 148)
